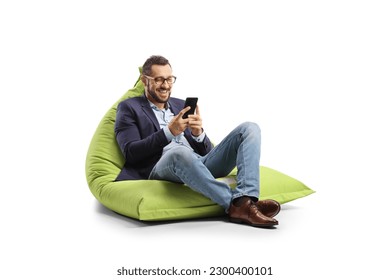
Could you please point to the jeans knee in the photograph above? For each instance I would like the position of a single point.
(181, 155)
(251, 129)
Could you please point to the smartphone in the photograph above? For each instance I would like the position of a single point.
(190, 101)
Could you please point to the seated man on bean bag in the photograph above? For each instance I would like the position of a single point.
(159, 144)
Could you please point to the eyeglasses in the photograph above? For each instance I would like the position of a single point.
(160, 80)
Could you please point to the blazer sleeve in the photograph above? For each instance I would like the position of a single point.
(201, 148)
(137, 138)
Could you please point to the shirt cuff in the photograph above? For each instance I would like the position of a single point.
(168, 133)
(199, 138)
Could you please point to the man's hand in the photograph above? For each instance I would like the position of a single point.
(178, 124)
(195, 123)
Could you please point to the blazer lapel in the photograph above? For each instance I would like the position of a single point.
(149, 112)
(174, 108)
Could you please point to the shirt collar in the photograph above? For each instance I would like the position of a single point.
(155, 107)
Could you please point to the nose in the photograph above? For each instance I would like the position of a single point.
(165, 84)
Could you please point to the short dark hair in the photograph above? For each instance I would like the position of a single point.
(154, 60)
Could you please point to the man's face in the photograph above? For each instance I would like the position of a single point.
(158, 94)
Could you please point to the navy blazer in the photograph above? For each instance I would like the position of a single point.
(141, 139)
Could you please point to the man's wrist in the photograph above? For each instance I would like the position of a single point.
(168, 133)
(200, 137)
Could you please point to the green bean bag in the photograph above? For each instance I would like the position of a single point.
(153, 200)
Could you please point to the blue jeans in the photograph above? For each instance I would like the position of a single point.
(240, 148)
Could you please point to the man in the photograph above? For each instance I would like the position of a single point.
(158, 143)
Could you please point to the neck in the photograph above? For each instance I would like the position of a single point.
(158, 104)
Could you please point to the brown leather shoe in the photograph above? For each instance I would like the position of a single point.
(250, 214)
(268, 207)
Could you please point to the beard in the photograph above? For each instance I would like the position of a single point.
(156, 98)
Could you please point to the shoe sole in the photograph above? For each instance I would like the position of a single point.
(239, 221)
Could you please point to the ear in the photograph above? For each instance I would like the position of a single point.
(144, 80)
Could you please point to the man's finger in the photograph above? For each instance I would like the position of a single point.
(182, 112)
(197, 110)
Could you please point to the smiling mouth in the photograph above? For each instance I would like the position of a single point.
(163, 91)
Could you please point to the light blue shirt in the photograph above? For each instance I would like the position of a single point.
(164, 116)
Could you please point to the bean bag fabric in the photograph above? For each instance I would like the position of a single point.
(154, 200)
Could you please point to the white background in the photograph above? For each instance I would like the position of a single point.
(313, 74)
